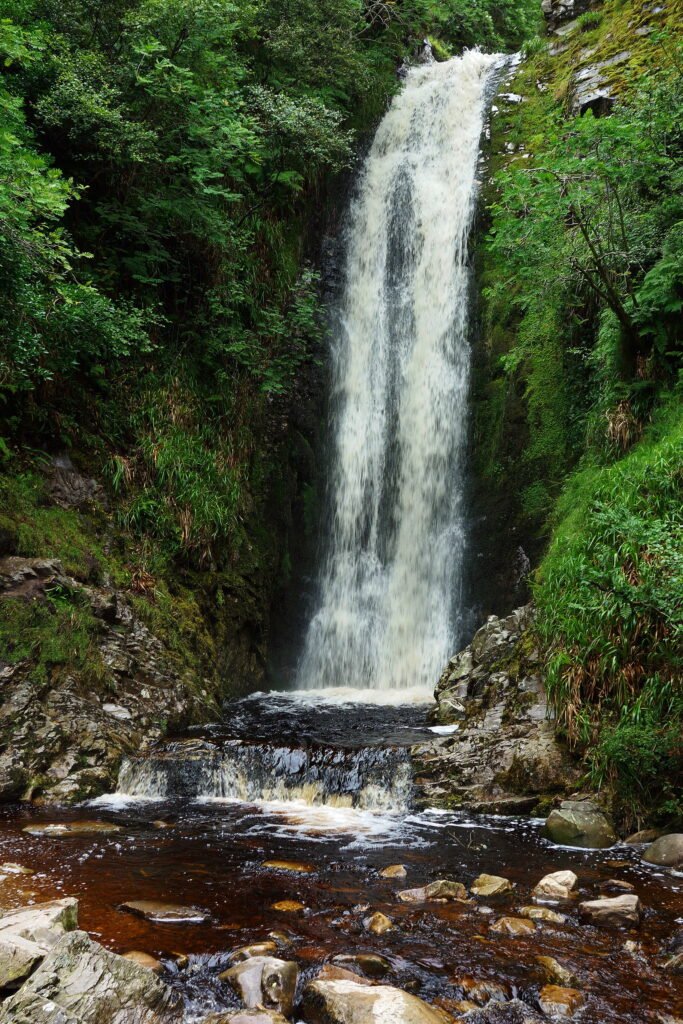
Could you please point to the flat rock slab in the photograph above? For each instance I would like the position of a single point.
(347, 1002)
(667, 851)
(166, 913)
(43, 923)
(60, 829)
(79, 982)
(615, 912)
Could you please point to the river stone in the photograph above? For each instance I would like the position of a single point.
(513, 926)
(255, 949)
(481, 991)
(580, 823)
(60, 829)
(445, 890)
(79, 982)
(542, 914)
(144, 960)
(347, 1002)
(559, 1002)
(373, 964)
(288, 906)
(393, 871)
(616, 885)
(490, 885)
(378, 923)
(555, 971)
(264, 981)
(557, 885)
(413, 895)
(667, 851)
(614, 911)
(167, 913)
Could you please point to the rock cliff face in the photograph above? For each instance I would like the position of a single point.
(498, 750)
(65, 741)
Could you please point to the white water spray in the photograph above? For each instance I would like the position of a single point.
(392, 580)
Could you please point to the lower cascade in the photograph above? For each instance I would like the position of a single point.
(390, 598)
(377, 779)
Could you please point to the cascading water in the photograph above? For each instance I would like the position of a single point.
(392, 579)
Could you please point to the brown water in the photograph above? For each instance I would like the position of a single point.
(213, 858)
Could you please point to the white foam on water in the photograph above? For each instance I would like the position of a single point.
(416, 695)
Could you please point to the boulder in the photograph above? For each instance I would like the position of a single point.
(79, 982)
(612, 912)
(347, 1002)
(557, 885)
(264, 981)
(168, 913)
(667, 851)
(580, 823)
(393, 871)
(43, 924)
(332, 972)
(517, 926)
(646, 835)
(559, 1002)
(490, 885)
(18, 958)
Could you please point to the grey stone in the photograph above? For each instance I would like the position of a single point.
(580, 823)
(667, 851)
(79, 982)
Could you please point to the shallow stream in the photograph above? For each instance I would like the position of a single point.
(209, 852)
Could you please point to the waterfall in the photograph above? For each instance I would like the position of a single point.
(391, 586)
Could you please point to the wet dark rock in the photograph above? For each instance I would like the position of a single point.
(646, 835)
(69, 488)
(63, 741)
(674, 965)
(514, 1012)
(481, 991)
(503, 755)
(580, 822)
(255, 949)
(79, 982)
(667, 851)
(558, 12)
(168, 913)
(264, 981)
(372, 964)
(347, 1002)
(612, 912)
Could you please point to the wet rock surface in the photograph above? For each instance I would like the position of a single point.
(346, 1002)
(501, 755)
(64, 742)
(667, 851)
(580, 823)
(79, 982)
(263, 981)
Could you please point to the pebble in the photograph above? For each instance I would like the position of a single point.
(378, 923)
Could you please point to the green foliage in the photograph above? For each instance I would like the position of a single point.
(610, 594)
